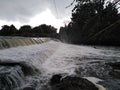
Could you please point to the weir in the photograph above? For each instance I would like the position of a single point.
(8, 42)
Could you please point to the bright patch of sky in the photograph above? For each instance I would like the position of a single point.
(35, 12)
(46, 17)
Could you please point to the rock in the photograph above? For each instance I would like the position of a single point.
(55, 79)
(71, 83)
(28, 88)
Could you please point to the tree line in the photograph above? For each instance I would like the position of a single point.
(93, 22)
(28, 31)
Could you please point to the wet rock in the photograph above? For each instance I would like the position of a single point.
(71, 83)
(28, 88)
(55, 79)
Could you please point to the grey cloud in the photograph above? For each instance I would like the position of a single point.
(23, 10)
(61, 9)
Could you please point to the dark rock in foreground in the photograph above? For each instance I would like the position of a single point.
(28, 88)
(71, 83)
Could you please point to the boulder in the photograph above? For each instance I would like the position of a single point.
(56, 79)
(71, 83)
(28, 88)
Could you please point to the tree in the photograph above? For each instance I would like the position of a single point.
(13, 30)
(44, 30)
(8, 30)
(89, 17)
(25, 30)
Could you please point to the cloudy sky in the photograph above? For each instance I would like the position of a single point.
(34, 12)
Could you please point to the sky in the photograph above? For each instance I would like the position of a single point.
(35, 12)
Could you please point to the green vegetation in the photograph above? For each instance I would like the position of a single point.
(27, 31)
(93, 22)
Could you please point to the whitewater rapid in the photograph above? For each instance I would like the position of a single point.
(33, 65)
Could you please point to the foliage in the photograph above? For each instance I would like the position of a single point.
(27, 31)
(8, 30)
(91, 23)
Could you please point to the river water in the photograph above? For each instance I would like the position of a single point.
(33, 65)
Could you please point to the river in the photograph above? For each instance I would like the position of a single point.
(33, 65)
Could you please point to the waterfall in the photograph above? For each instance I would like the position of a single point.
(8, 42)
(21, 67)
(11, 77)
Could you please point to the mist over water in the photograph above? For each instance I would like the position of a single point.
(33, 65)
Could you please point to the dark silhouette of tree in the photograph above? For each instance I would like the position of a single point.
(90, 21)
(5, 30)
(13, 30)
(8, 30)
(36, 31)
(44, 31)
(25, 30)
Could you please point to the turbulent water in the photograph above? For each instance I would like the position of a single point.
(8, 42)
(32, 66)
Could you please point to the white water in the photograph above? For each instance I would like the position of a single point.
(8, 42)
(57, 58)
